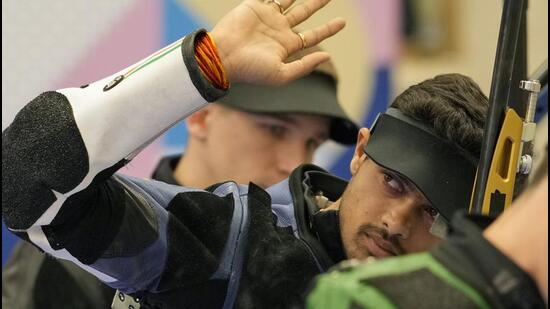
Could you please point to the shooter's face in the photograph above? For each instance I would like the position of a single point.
(382, 213)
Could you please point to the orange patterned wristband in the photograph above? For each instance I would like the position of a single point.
(209, 62)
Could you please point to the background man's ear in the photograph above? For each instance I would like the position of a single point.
(197, 124)
(359, 156)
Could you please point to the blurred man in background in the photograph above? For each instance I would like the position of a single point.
(260, 134)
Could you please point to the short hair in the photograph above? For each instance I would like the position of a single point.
(452, 104)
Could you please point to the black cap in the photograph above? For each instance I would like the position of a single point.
(314, 94)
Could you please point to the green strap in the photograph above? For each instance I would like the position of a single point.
(340, 289)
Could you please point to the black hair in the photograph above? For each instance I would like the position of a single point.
(452, 104)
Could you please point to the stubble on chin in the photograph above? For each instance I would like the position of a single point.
(359, 252)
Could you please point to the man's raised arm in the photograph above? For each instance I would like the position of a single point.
(60, 152)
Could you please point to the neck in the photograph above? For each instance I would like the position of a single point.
(192, 170)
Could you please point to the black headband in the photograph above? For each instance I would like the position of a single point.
(441, 170)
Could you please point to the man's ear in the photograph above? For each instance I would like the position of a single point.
(197, 124)
(359, 156)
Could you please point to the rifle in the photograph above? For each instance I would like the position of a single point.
(509, 129)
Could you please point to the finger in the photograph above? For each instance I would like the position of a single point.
(302, 67)
(315, 36)
(303, 11)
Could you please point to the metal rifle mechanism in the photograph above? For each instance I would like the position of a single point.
(510, 127)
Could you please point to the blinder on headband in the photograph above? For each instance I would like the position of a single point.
(442, 171)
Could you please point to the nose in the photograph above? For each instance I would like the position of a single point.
(292, 154)
(396, 219)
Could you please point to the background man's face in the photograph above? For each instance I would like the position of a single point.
(262, 148)
(382, 214)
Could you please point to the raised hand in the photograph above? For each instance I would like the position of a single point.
(256, 37)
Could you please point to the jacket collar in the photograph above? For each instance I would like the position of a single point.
(165, 169)
(320, 231)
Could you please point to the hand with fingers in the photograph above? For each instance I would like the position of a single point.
(256, 37)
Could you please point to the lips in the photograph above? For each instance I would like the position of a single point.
(379, 247)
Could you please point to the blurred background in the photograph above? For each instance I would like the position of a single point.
(386, 46)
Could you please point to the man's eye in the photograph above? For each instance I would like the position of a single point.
(431, 211)
(393, 183)
(276, 130)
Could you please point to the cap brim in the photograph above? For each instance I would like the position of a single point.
(314, 94)
(438, 170)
